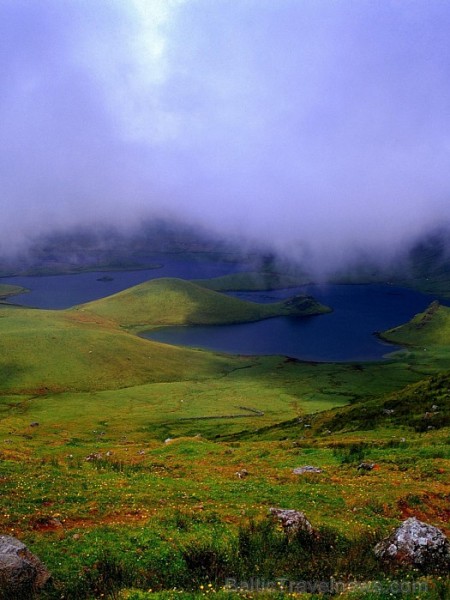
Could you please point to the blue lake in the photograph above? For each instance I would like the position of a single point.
(346, 334)
(63, 291)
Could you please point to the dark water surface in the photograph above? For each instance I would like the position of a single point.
(346, 334)
(63, 291)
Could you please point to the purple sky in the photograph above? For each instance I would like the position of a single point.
(319, 127)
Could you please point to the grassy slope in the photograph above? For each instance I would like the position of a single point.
(148, 501)
(428, 337)
(88, 347)
(169, 301)
(7, 290)
(430, 328)
(51, 351)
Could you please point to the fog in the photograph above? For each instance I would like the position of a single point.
(319, 129)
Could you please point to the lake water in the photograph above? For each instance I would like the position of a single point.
(346, 334)
(63, 291)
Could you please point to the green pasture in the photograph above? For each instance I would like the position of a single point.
(119, 456)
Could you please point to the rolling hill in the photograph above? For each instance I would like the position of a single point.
(168, 301)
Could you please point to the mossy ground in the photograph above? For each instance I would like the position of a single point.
(148, 514)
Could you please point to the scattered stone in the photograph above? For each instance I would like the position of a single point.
(34, 424)
(434, 407)
(109, 453)
(47, 524)
(366, 466)
(141, 452)
(21, 572)
(242, 474)
(306, 426)
(168, 440)
(388, 411)
(403, 439)
(94, 456)
(416, 544)
(292, 521)
(306, 469)
(76, 536)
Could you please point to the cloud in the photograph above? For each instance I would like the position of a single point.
(318, 128)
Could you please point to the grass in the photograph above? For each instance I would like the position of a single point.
(6, 290)
(60, 351)
(172, 515)
(430, 328)
(177, 515)
(167, 301)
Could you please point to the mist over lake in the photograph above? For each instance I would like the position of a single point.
(346, 334)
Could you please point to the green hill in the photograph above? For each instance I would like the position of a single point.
(48, 351)
(89, 348)
(422, 406)
(432, 327)
(167, 301)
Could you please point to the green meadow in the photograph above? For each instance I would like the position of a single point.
(119, 455)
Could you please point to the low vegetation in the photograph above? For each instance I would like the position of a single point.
(6, 291)
(141, 471)
(166, 301)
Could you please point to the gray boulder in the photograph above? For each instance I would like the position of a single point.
(306, 469)
(366, 466)
(21, 572)
(292, 521)
(416, 544)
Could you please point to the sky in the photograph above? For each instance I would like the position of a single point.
(318, 128)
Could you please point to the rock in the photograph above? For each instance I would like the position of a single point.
(94, 456)
(21, 573)
(34, 424)
(388, 411)
(366, 466)
(168, 440)
(292, 521)
(109, 453)
(416, 544)
(434, 407)
(306, 469)
(242, 474)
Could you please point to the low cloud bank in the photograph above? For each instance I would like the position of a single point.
(317, 129)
